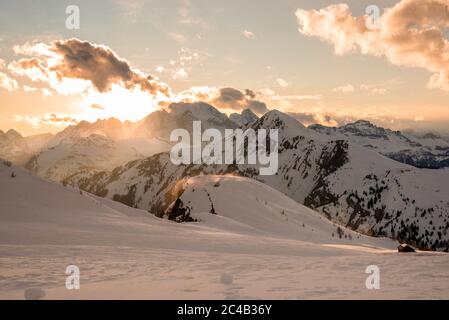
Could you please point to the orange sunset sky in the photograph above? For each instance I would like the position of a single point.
(316, 60)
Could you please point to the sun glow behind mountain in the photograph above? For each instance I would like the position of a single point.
(114, 66)
(120, 103)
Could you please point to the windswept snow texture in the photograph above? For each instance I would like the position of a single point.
(265, 247)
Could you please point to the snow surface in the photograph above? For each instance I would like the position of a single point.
(248, 250)
(247, 206)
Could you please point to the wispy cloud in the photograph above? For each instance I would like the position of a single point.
(248, 34)
(46, 92)
(36, 122)
(371, 89)
(131, 8)
(178, 37)
(282, 83)
(180, 73)
(348, 88)
(187, 17)
(96, 106)
(29, 89)
(296, 97)
(180, 67)
(8, 83)
(226, 99)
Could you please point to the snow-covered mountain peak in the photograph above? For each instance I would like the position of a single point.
(276, 117)
(365, 128)
(288, 127)
(156, 115)
(244, 118)
(94, 140)
(431, 135)
(249, 114)
(112, 127)
(210, 117)
(13, 134)
(200, 110)
(156, 124)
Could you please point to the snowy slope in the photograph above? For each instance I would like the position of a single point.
(124, 253)
(37, 210)
(34, 211)
(244, 205)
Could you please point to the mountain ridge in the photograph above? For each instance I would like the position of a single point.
(349, 184)
(426, 151)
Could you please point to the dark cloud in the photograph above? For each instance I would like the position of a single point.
(304, 118)
(230, 98)
(100, 65)
(250, 93)
(327, 119)
(257, 106)
(76, 59)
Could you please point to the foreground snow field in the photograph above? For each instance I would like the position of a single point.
(259, 244)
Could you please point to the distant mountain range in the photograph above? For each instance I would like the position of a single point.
(341, 172)
(105, 144)
(112, 142)
(421, 151)
(349, 184)
(18, 149)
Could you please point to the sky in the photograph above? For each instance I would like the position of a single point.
(317, 60)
